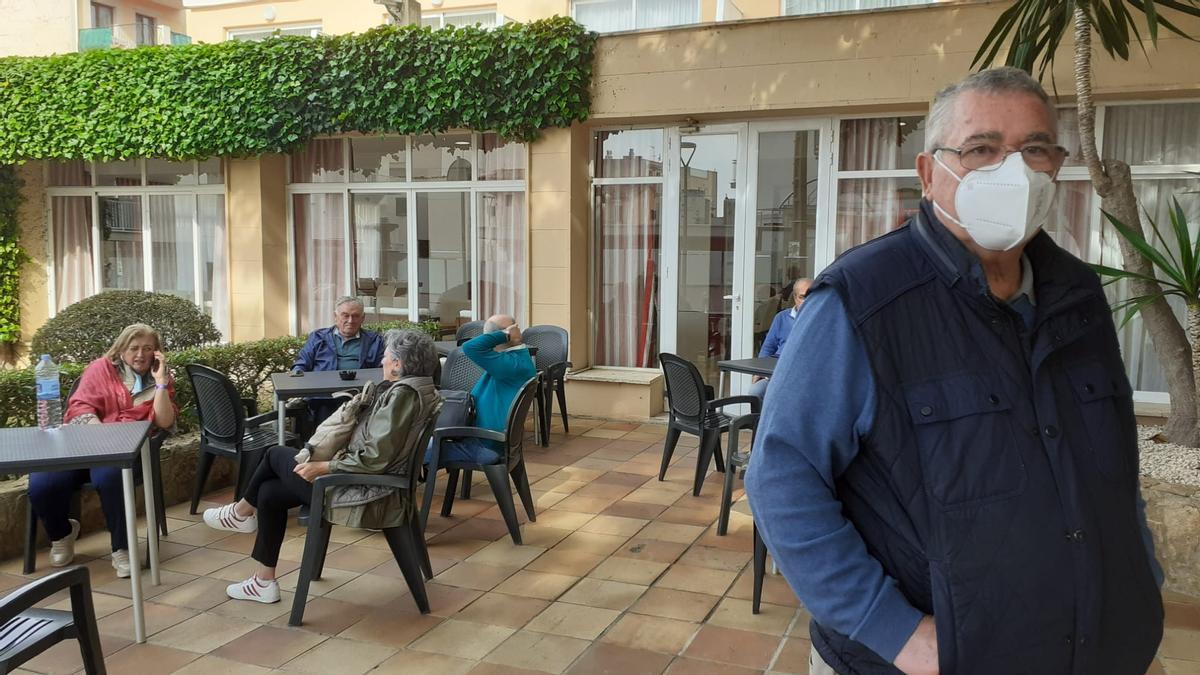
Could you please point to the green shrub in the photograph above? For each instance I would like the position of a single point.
(12, 258)
(86, 329)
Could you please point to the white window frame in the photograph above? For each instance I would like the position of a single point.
(783, 6)
(314, 29)
(410, 188)
(143, 192)
(442, 15)
(633, 14)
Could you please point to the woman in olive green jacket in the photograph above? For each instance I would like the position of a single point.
(383, 442)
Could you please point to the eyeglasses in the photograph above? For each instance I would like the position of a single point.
(1043, 157)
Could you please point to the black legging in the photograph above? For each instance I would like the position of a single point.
(273, 490)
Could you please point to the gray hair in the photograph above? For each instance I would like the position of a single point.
(414, 350)
(490, 326)
(348, 299)
(1004, 80)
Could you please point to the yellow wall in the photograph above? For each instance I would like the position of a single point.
(38, 28)
(125, 11)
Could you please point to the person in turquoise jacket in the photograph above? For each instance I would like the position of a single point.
(507, 366)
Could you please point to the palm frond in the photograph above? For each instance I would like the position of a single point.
(1146, 250)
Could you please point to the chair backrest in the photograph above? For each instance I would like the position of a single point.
(551, 343)
(459, 372)
(417, 458)
(685, 388)
(518, 412)
(218, 405)
(467, 331)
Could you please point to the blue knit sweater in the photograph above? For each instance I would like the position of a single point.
(504, 373)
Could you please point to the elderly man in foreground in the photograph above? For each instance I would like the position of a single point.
(951, 485)
(507, 366)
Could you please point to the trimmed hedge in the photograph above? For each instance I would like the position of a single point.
(249, 98)
(11, 255)
(248, 364)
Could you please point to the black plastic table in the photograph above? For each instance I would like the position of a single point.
(26, 450)
(318, 383)
(762, 367)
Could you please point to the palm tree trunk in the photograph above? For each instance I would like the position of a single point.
(1113, 183)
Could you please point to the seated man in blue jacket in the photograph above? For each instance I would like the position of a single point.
(342, 346)
(781, 327)
(507, 366)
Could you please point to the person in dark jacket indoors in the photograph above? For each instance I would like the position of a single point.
(342, 346)
(951, 483)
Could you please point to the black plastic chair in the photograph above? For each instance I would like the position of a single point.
(226, 431)
(512, 463)
(467, 331)
(26, 631)
(155, 448)
(760, 570)
(735, 464)
(693, 409)
(406, 541)
(459, 372)
(551, 361)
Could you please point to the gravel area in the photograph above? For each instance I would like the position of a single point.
(1167, 462)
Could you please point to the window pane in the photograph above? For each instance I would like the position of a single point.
(214, 274)
(127, 172)
(444, 256)
(320, 161)
(434, 22)
(871, 207)
(628, 231)
(657, 13)
(1163, 134)
(121, 252)
(881, 143)
(71, 220)
(320, 257)
(1068, 136)
(444, 157)
(605, 16)
(627, 154)
(501, 158)
(145, 29)
(102, 15)
(171, 242)
(381, 253)
(483, 19)
(502, 254)
(377, 159)
(795, 7)
(74, 173)
(211, 172)
(166, 172)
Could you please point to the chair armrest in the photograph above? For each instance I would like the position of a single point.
(30, 594)
(754, 401)
(446, 433)
(261, 419)
(738, 424)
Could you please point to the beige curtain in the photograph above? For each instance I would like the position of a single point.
(71, 222)
(502, 254)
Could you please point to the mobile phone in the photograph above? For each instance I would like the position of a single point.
(154, 365)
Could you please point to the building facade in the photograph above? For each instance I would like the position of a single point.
(733, 145)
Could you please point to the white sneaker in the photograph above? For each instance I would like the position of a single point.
(62, 552)
(254, 589)
(120, 563)
(226, 518)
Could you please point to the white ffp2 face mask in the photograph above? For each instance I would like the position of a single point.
(1002, 208)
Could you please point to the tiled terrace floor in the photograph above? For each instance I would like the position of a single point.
(620, 574)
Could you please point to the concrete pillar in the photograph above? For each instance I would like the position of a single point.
(256, 208)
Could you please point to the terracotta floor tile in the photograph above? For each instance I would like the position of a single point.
(775, 588)
(1180, 667)
(338, 655)
(653, 495)
(563, 520)
(1180, 644)
(158, 618)
(1156, 668)
(652, 633)
(736, 647)
(735, 613)
(64, 658)
(614, 525)
(546, 500)
(482, 528)
(629, 570)
(255, 611)
(409, 662)
(793, 658)
(202, 561)
(241, 570)
(1181, 615)
(611, 659)
(689, 516)
(236, 543)
(203, 633)
(733, 541)
(446, 600)
(502, 610)
(577, 621)
(504, 553)
(538, 651)
(462, 639)
(561, 484)
(571, 563)
(603, 433)
(633, 480)
(686, 666)
(630, 509)
(392, 570)
(696, 579)
(103, 604)
(370, 590)
(800, 626)
(543, 585)
(600, 593)
(357, 558)
(612, 491)
(715, 558)
(206, 665)
(268, 646)
(647, 469)
(202, 593)
(653, 550)
(673, 604)
(673, 532)
(198, 534)
(293, 549)
(474, 575)
(456, 548)
(392, 626)
(327, 617)
(581, 474)
(331, 578)
(148, 659)
(591, 542)
(542, 536)
(581, 504)
(122, 587)
(485, 668)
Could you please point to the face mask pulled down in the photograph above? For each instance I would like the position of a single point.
(1004, 207)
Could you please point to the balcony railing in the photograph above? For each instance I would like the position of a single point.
(125, 36)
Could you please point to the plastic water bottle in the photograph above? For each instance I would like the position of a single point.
(49, 403)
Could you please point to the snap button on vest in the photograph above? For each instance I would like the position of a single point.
(1051, 431)
(994, 399)
(1088, 388)
(926, 411)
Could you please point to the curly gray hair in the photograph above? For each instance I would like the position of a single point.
(414, 350)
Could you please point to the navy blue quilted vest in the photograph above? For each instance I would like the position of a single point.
(998, 485)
